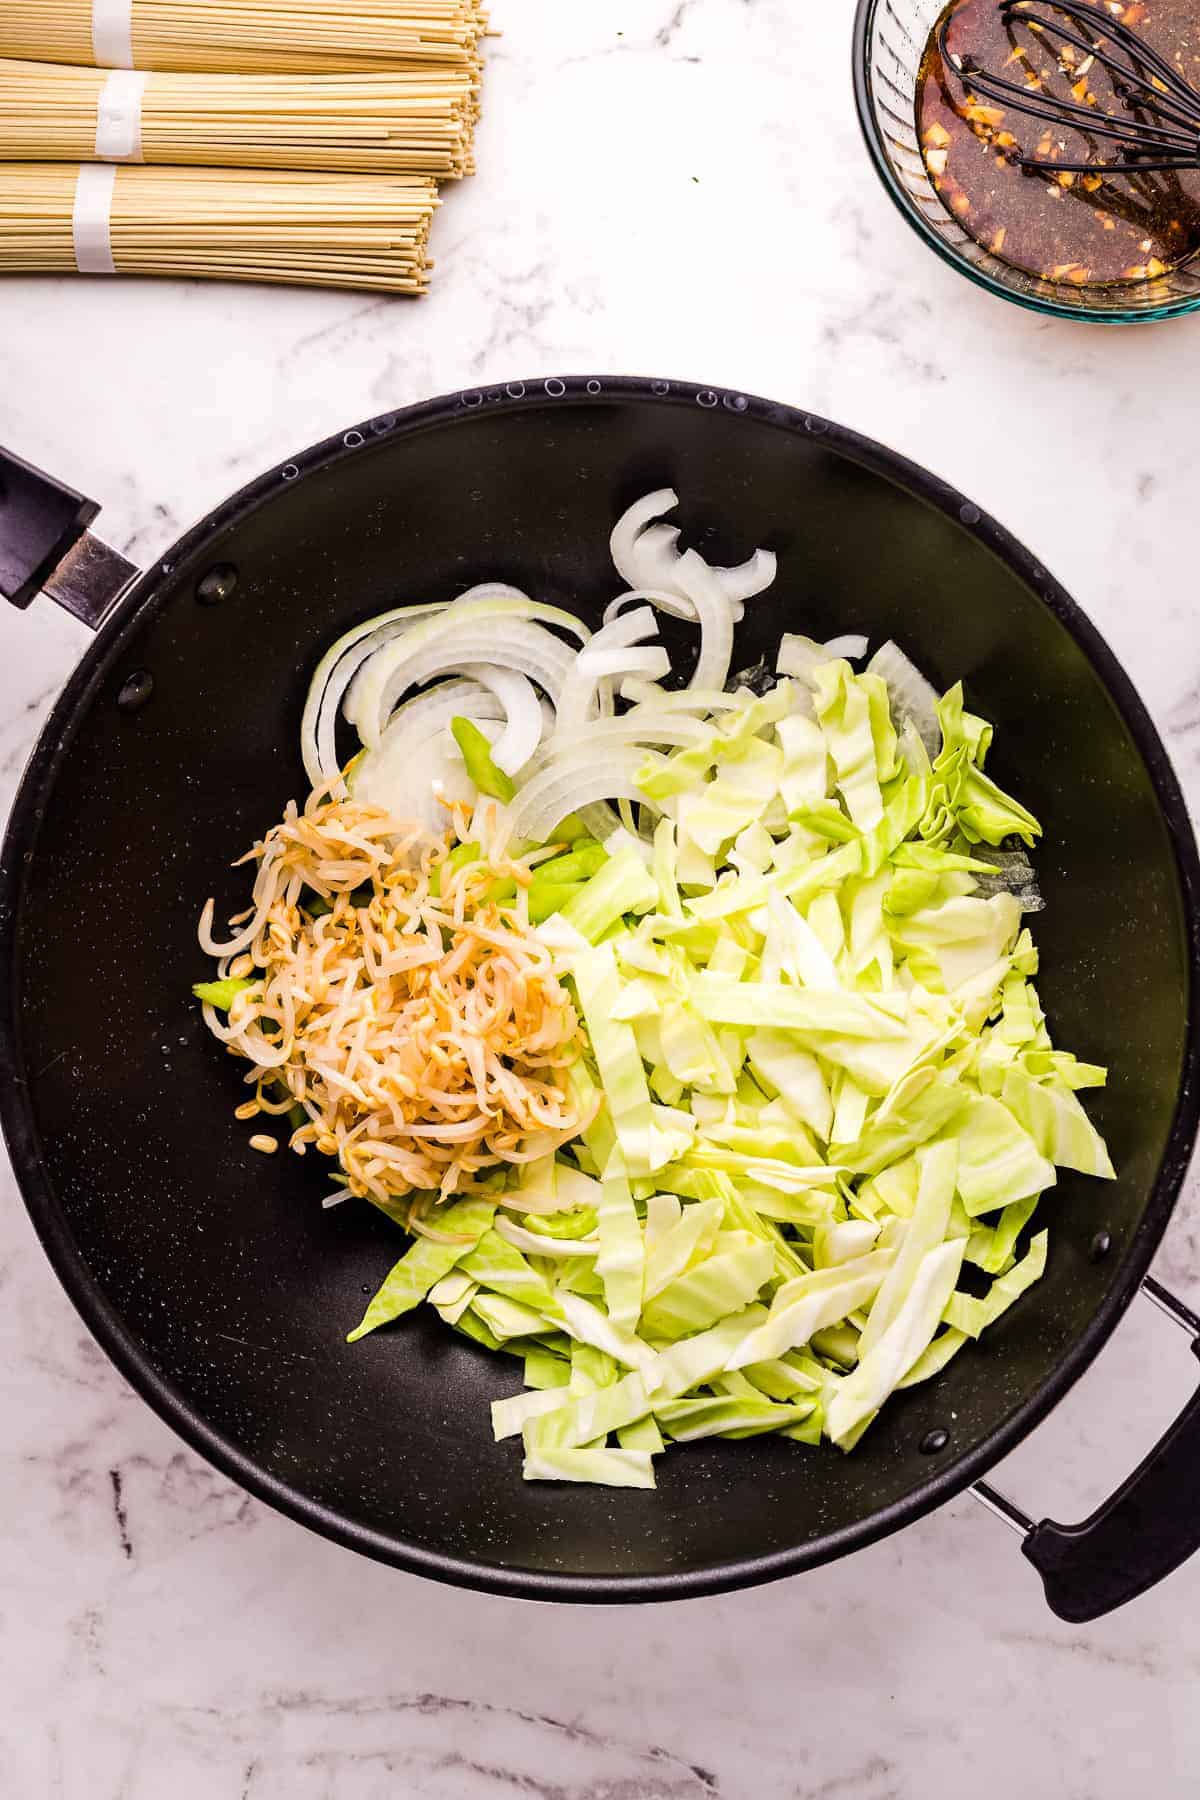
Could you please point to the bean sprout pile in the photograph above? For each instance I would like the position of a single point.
(417, 1022)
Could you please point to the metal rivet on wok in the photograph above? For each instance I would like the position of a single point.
(1100, 1246)
(217, 584)
(933, 1441)
(135, 691)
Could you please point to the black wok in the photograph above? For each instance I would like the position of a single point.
(211, 1275)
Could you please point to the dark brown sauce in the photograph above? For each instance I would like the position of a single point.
(1100, 227)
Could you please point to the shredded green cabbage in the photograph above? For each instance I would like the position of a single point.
(222, 994)
(819, 1081)
(463, 1225)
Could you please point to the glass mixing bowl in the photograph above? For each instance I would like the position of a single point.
(889, 39)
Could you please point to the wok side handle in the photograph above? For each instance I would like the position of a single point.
(1140, 1534)
(45, 545)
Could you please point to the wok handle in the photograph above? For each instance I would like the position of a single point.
(1139, 1534)
(45, 545)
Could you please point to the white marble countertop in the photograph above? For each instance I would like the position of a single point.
(675, 189)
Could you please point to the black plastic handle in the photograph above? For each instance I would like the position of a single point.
(41, 521)
(1143, 1532)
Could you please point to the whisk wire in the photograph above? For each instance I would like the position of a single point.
(1140, 53)
(1182, 109)
(1054, 111)
(1169, 140)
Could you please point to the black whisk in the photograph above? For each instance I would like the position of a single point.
(1162, 128)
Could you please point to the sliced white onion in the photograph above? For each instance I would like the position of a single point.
(626, 732)
(493, 590)
(680, 700)
(522, 714)
(648, 725)
(851, 645)
(546, 708)
(505, 633)
(622, 542)
(800, 655)
(507, 644)
(715, 613)
(333, 675)
(573, 781)
(912, 697)
(752, 577)
(611, 652)
(578, 705)
(646, 555)
(656, 557)
(416, 762)
(433, 710)
(622, 631)
(663, 601)
(738, 584)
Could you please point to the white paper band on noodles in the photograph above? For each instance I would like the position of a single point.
(119, 117)
(112, 33)
(91, 222)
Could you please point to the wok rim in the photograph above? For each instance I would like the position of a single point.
(35, 794)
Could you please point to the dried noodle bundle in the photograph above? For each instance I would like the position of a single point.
(312, 229)
(246, 36)
(415, 120)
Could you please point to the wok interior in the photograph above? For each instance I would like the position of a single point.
(220, 1262)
